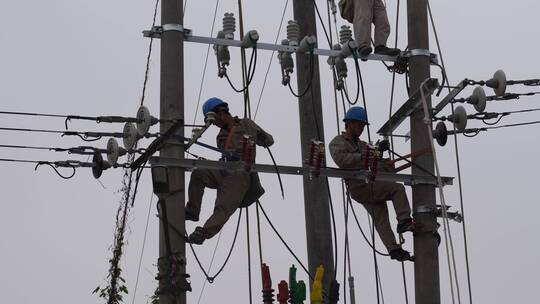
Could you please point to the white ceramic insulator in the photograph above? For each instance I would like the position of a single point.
(229, 25)
(345, 34)
(293, 32)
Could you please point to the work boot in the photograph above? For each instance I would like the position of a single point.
(364, 51)
(401, 255)
(384, 50)
(198, 236)
(406, 225)
(191, 215)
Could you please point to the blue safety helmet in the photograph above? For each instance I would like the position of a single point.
(357, 114)
(213, 103)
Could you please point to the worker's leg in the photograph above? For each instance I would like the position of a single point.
(200, 179)
(380, 20)
(363, 16)
(379, 214)
(384, 191)
(230, 192)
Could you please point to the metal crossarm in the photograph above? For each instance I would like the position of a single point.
(157, 31)
(328, 172)
(448, 98)
(410, 106)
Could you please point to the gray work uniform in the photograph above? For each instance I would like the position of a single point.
(231, 186)
(365, 13)
(349, 154)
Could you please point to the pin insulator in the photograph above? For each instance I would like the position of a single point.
(300, 293)
(266, 279)
(293, 32)
(229, 25)
(333, 296)
(345, 34)
(283, 294)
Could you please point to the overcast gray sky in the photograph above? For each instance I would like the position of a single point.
(88, 58)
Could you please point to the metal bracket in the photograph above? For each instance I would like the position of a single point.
(425, 209)
(158, 30)
(421, 52)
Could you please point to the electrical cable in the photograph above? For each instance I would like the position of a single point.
(250, 73)
(205, 63)
(210, 266)
(147, 71)
(310, 83)
(360, 227)
(249, 257)
(142, 249)
(446, 226)
(457, 165)
(271, 59)
(284, 242)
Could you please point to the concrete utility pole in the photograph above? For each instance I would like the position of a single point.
(172, 107)
(426, 265)
(317, 211)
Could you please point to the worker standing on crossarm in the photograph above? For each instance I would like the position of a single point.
(349, 152)
(362, 13)
(235, 189)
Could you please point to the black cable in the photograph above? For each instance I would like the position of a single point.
(249, 256)
(360, 227)
(250, 72)
(333, 218)
(209, 278)
(322, 24)
(284, 242)
(147, 71)
(311, 73)
(56, 170)
(277, 172)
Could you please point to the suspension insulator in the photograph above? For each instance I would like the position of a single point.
(293, 32)
(459, 118)
(345, 34)
(229, 25)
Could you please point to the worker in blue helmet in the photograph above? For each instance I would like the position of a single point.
(235, 189)
(349, 152)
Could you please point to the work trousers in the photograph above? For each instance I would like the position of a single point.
(231, 188)
(365, 13)
(373, 197)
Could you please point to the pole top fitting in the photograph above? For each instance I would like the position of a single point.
(158, 30)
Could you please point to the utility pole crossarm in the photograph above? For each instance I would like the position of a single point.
(291, 170)
(157, 31)
(410, 106)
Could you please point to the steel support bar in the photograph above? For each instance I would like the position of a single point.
(413, 104)
(305, 171)
(448, 98)
(157, 31)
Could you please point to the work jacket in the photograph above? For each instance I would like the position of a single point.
(242, 126)
(348, 153)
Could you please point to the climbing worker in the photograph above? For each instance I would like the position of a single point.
(349, 152)
(361, 13)
(235, 189)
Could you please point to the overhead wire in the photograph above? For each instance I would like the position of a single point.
(205, 63)
(210, 265)
(284, 242)
(458, 166)
(142, 249)
(271, 59)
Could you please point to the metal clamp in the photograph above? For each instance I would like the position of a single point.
(158, 30)
(425, 209)
(421, 52)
